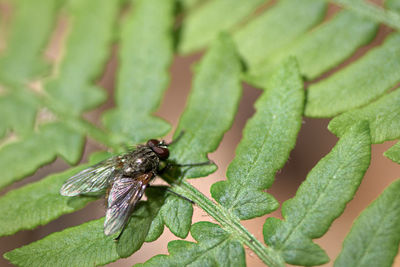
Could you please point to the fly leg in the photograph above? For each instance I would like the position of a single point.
(169, 190)
(208, 162)
(117, 238)
(179, 195)
(171, 164)
(176, 139)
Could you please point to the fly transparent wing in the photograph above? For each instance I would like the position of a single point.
(124, 195)
(94, 180)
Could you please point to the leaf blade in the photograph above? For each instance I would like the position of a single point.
(85, 54)
(374, 73)
(21, 158)
(31, 26)
(256, 44)
(145, 55)
(268, 138)
(17, 114)
(320, 199)
(40, 202)
(214, 248)
(65, 242)
(319, 49)
(377, 227)
(372, 11)
(197, 32)
(380, 114)
(393, 5)
(86, 244)
(217, 83)
(177, 215)
(393, 153)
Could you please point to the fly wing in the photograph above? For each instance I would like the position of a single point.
(124, 195)
(94, 180)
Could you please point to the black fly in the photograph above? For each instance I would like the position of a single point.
(124, 177)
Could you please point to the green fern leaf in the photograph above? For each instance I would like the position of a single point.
(22, 61)
(267, 141)
(321, 49)
(157, 228)
(176, 213)
(393, 5)
(358, 84)
(256, 44)
(68, 248)
(145, 55)
(198, 32)
(217, 83)
(69, 90)
(17, 113)
(320, 199)
(372, 11)
(375, 235)
(215, 247)
(393, 153)
(30, 30)
(19, 159)
(84, 57)
(86, 244)
(382, 116)
(40, 202)
(188, 4)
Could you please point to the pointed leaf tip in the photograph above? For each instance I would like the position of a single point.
(393, 153)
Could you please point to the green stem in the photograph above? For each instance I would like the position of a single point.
(231, 224)
(372, 11)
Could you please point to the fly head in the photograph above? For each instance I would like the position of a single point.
(159, 147)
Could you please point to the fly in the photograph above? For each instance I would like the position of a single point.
(123, 178)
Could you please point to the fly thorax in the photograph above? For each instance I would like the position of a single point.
(129, 170)
(142, 160)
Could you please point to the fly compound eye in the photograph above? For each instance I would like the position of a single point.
(162, 152)
(153, 143)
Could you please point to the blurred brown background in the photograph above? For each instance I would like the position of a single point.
(314, 142)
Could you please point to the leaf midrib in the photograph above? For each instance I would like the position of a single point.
(254, 161)
(207, 250)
